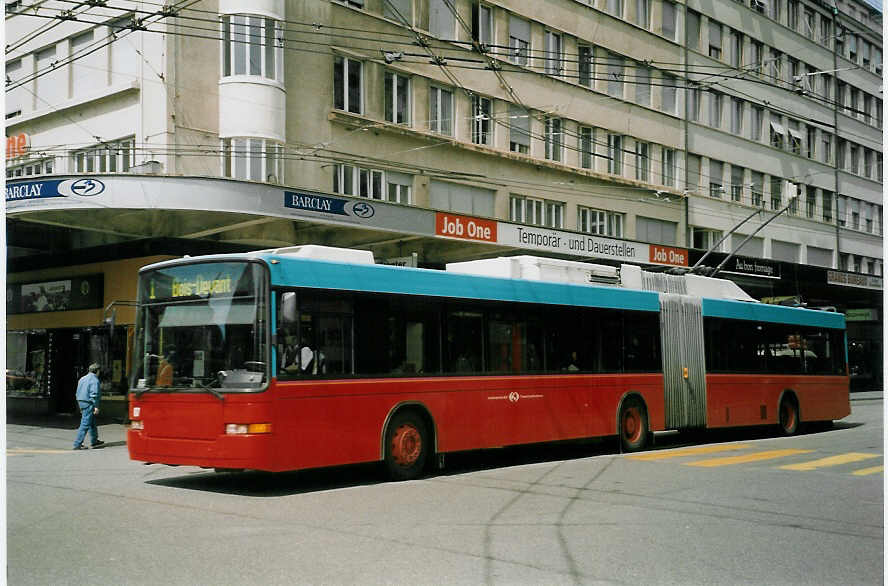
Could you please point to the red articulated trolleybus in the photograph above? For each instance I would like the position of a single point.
(314, 356)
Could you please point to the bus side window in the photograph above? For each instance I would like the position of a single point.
(287, 330)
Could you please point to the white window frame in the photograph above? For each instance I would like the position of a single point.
(394, 95)
(115, 156)
(554, 139)
(359, 181)
(344, 101)
(536, 212)
(439, 98)
(600, 222)
(482, 126)
(253, 159)
(263, 57)
(554, 48)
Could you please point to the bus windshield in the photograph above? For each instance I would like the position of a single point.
(202, 326)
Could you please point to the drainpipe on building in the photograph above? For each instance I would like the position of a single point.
(687, 191)
(836, 98)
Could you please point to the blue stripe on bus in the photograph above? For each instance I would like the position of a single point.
(408, 281)
(772, 313)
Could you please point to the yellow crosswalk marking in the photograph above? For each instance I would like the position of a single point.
(830, 461)
(868, 471)
(666, 454)
(755, 457)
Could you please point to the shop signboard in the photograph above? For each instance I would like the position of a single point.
(854, 280)
(870, 314)
(80, 292)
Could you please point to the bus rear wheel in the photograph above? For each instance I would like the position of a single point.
(407, 446)
(789, 416)
(633, 425)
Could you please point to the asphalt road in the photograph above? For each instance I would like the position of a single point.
(737, 508)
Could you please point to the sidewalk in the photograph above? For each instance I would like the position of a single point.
(866, 396)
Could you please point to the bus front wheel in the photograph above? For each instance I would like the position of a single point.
(407, 446)
(633, 425)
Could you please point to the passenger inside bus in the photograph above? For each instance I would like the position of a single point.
(166, 367)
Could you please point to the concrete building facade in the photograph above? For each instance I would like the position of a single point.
(615, 130)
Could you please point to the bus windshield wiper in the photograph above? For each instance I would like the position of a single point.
(212, 391)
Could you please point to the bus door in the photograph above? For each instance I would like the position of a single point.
(684, 364)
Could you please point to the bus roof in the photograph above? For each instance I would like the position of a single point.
(772, 313)
(409, 281)
(298, 271)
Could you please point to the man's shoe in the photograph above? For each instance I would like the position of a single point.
(80, 447)
(97, 443)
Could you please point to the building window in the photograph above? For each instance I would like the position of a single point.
(735, 40)
(642, 161)
(399, 187)
(736, 116)
(737, 174)
(585, 67)
(777, 132)
(715, 39)
(482, 24)
(694, 103)
(668, 171)
(587, 148)
(810, 141)
(643, 85)
(553, 53)
(758, 5)
(615, 8)
(398, 10)
(792, 15)
(519, 40)
(481, 120)
(693, 172)
(826, 199)
(715, 109)
(774, 64)
(441, 110)
(808, 24)
(757, 190)
(668, 93)
(252, 45)
(693, 29)
(614, 75)
(442, 20)
(795, 138)
(643, 13)
(31, 168)
(519, 130)
(810, 201)
(253, 159)
(774, 9)
(358, 181)
(615, 154)
(397, 98)
(716, 178)
(776, 192)
(669, 20)
(704, 238)
(826, 151)
(536, 212)
(600, 222)
(347, 84)
(755, 56)
(109, 157)
(554, 138)
(855, 159)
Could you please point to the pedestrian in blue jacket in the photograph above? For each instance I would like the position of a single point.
(88, 397)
